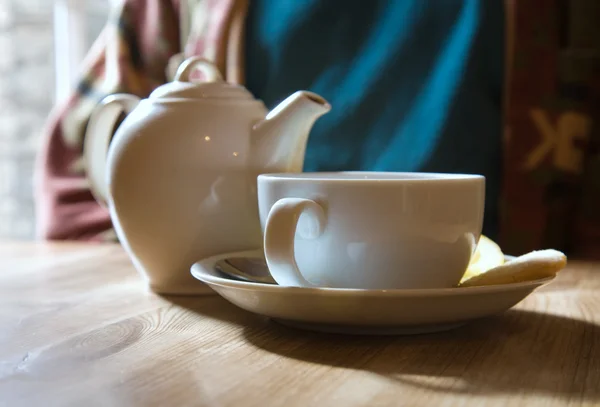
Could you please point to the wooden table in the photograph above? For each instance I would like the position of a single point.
(79, 329)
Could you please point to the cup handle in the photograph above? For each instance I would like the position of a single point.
(280, 232)
(98, 137)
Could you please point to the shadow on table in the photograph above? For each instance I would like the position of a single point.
(214, 306)
(519, 351)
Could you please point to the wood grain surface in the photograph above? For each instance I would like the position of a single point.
(79, 328)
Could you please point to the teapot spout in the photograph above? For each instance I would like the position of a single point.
(279, 141)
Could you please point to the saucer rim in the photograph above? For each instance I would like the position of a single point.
(199, 269)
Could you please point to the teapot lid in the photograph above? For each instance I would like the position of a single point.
(214, 87)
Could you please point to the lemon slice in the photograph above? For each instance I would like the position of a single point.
(531, 266)
(487, 256)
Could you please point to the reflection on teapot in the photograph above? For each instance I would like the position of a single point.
(179, 175)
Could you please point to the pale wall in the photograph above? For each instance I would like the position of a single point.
(26, 97)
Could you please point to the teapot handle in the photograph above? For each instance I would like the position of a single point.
(209, 69)
(97, 139)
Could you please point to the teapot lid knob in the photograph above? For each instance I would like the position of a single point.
(212, 86)
(210, 71)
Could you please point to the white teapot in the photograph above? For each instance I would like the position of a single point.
(179, 176)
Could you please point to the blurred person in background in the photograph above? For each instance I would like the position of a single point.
(501, 88)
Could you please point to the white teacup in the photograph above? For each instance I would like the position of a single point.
(370, 230)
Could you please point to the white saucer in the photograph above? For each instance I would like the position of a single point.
(362, 311)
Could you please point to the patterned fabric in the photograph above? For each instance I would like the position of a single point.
(551, 194)
(133, 54)
(551, 190)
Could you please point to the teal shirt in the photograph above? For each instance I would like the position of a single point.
(415, 85)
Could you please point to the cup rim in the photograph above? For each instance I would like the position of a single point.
(371, 176)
